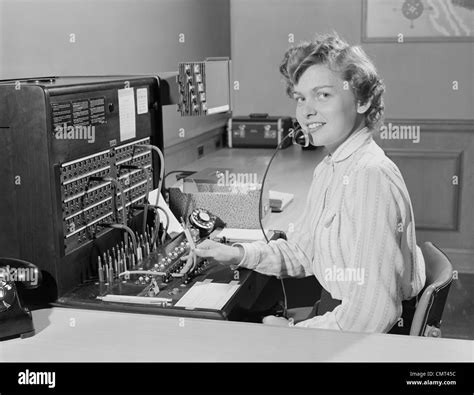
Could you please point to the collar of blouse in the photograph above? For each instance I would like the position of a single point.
(351, 145)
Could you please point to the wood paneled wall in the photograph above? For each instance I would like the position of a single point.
(439, 173)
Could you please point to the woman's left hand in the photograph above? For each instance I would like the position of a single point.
(276, 321)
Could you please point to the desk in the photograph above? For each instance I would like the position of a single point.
(292, 161)
(70, 335)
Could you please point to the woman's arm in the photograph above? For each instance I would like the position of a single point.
(277, 258)
(287, 258)
(280, 258)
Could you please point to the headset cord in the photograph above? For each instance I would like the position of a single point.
(292, 132)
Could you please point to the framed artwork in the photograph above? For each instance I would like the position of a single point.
(418, 20)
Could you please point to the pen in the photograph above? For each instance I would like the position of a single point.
(134, 299)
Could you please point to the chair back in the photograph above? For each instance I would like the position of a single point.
(429, 310)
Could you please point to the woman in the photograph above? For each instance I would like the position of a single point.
(357, 231)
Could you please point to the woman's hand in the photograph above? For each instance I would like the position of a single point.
(277, 321)
(222, 253)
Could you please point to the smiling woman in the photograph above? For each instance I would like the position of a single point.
(358, 217)
(336, 88)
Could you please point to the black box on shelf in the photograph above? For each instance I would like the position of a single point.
(258, 131)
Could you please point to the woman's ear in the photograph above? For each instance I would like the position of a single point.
(362, 108)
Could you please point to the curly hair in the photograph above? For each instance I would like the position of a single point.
(352, 64)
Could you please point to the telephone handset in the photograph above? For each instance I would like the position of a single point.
(8, 295)
(16, 320)
(204, 221)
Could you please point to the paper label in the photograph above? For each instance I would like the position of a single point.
(142, 101)
(126, 99)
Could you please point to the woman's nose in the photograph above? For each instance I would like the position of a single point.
(309, 109)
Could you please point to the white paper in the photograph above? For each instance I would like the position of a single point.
(279, 200)
(174, 226)
(142, 101)
(219, 109)
(126, 99)
(207, 295)
(283, 196)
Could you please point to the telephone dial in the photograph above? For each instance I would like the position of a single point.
(204, 221)
(15, 275)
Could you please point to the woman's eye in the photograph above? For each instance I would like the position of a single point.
(322, 95)
(299, 100)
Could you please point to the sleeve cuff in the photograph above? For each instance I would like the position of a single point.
(250, 259)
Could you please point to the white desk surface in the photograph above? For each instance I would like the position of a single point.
(71, 335)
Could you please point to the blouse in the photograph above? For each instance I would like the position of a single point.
(356, 234)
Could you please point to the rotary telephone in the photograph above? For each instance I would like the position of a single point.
(15, 275)
(204, 221)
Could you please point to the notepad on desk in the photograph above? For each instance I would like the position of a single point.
(208, 295)
(279, 200)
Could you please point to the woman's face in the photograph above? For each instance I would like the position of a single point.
(326, 108)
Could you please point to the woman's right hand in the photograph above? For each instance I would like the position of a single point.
(221, 253)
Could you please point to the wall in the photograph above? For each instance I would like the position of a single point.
(418, 77)
(114, 37)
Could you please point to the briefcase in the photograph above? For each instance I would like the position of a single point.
(258, 131)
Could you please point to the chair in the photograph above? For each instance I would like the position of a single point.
(429, 310)
(423, 313)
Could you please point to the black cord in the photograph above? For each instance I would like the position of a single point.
(292, 131)
(179, 171)
(185, 172)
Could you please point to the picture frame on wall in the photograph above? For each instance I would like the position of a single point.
(417, 21)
